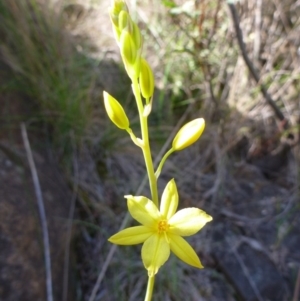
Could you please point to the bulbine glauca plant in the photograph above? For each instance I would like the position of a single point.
(162, 226)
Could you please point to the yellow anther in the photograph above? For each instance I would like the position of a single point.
(163, 226)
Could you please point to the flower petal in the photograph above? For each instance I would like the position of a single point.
(183, 250)
(155, 252)
(143, 210)
(131, 236)
(188, 221)
(169, 200)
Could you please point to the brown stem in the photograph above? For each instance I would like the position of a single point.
(250, 65)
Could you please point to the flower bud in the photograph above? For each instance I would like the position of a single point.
(125, 22)
(128, 48)
(146, 79)
(188, 134)
(136, 35)
(137, 64)
(115, 111)
(118, 6)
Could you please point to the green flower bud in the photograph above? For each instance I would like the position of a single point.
(188, 134)
(115, 111)
(146, 79)
(137, 64)
(114, 18)
(128, 48)
(125, 22)
(130, 54)
(118, 6)
(136, 35)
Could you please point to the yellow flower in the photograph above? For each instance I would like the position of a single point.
(161, 230)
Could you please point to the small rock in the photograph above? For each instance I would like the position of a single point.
(252, 274)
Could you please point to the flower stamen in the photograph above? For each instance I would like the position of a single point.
(163, 226)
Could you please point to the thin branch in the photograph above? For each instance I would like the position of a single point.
(258, 21)
(250, 65)
(42, 213)
(214, 27)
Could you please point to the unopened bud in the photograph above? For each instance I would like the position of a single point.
(117, 7)
(188, 134)
(136, 35)
(128, 48)
(125, 22)
(115, 111)
(146, 79)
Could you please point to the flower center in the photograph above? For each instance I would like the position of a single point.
(163, 226)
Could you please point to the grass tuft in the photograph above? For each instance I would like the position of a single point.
(47, 66)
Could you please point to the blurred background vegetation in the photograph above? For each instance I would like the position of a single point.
(56, 58)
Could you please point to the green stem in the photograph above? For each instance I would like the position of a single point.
(162, 162)
(135, 140)
(150, 286)
(146, 144)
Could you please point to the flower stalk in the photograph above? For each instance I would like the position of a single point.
(150, 286)
(162, 228)
(146, 145)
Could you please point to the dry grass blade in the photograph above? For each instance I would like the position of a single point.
(42, 213)
(69, 230)
(297, 287)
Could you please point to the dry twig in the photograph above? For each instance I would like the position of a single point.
(297, 287)
(245, 270)
(250, 65)
(42, 213)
